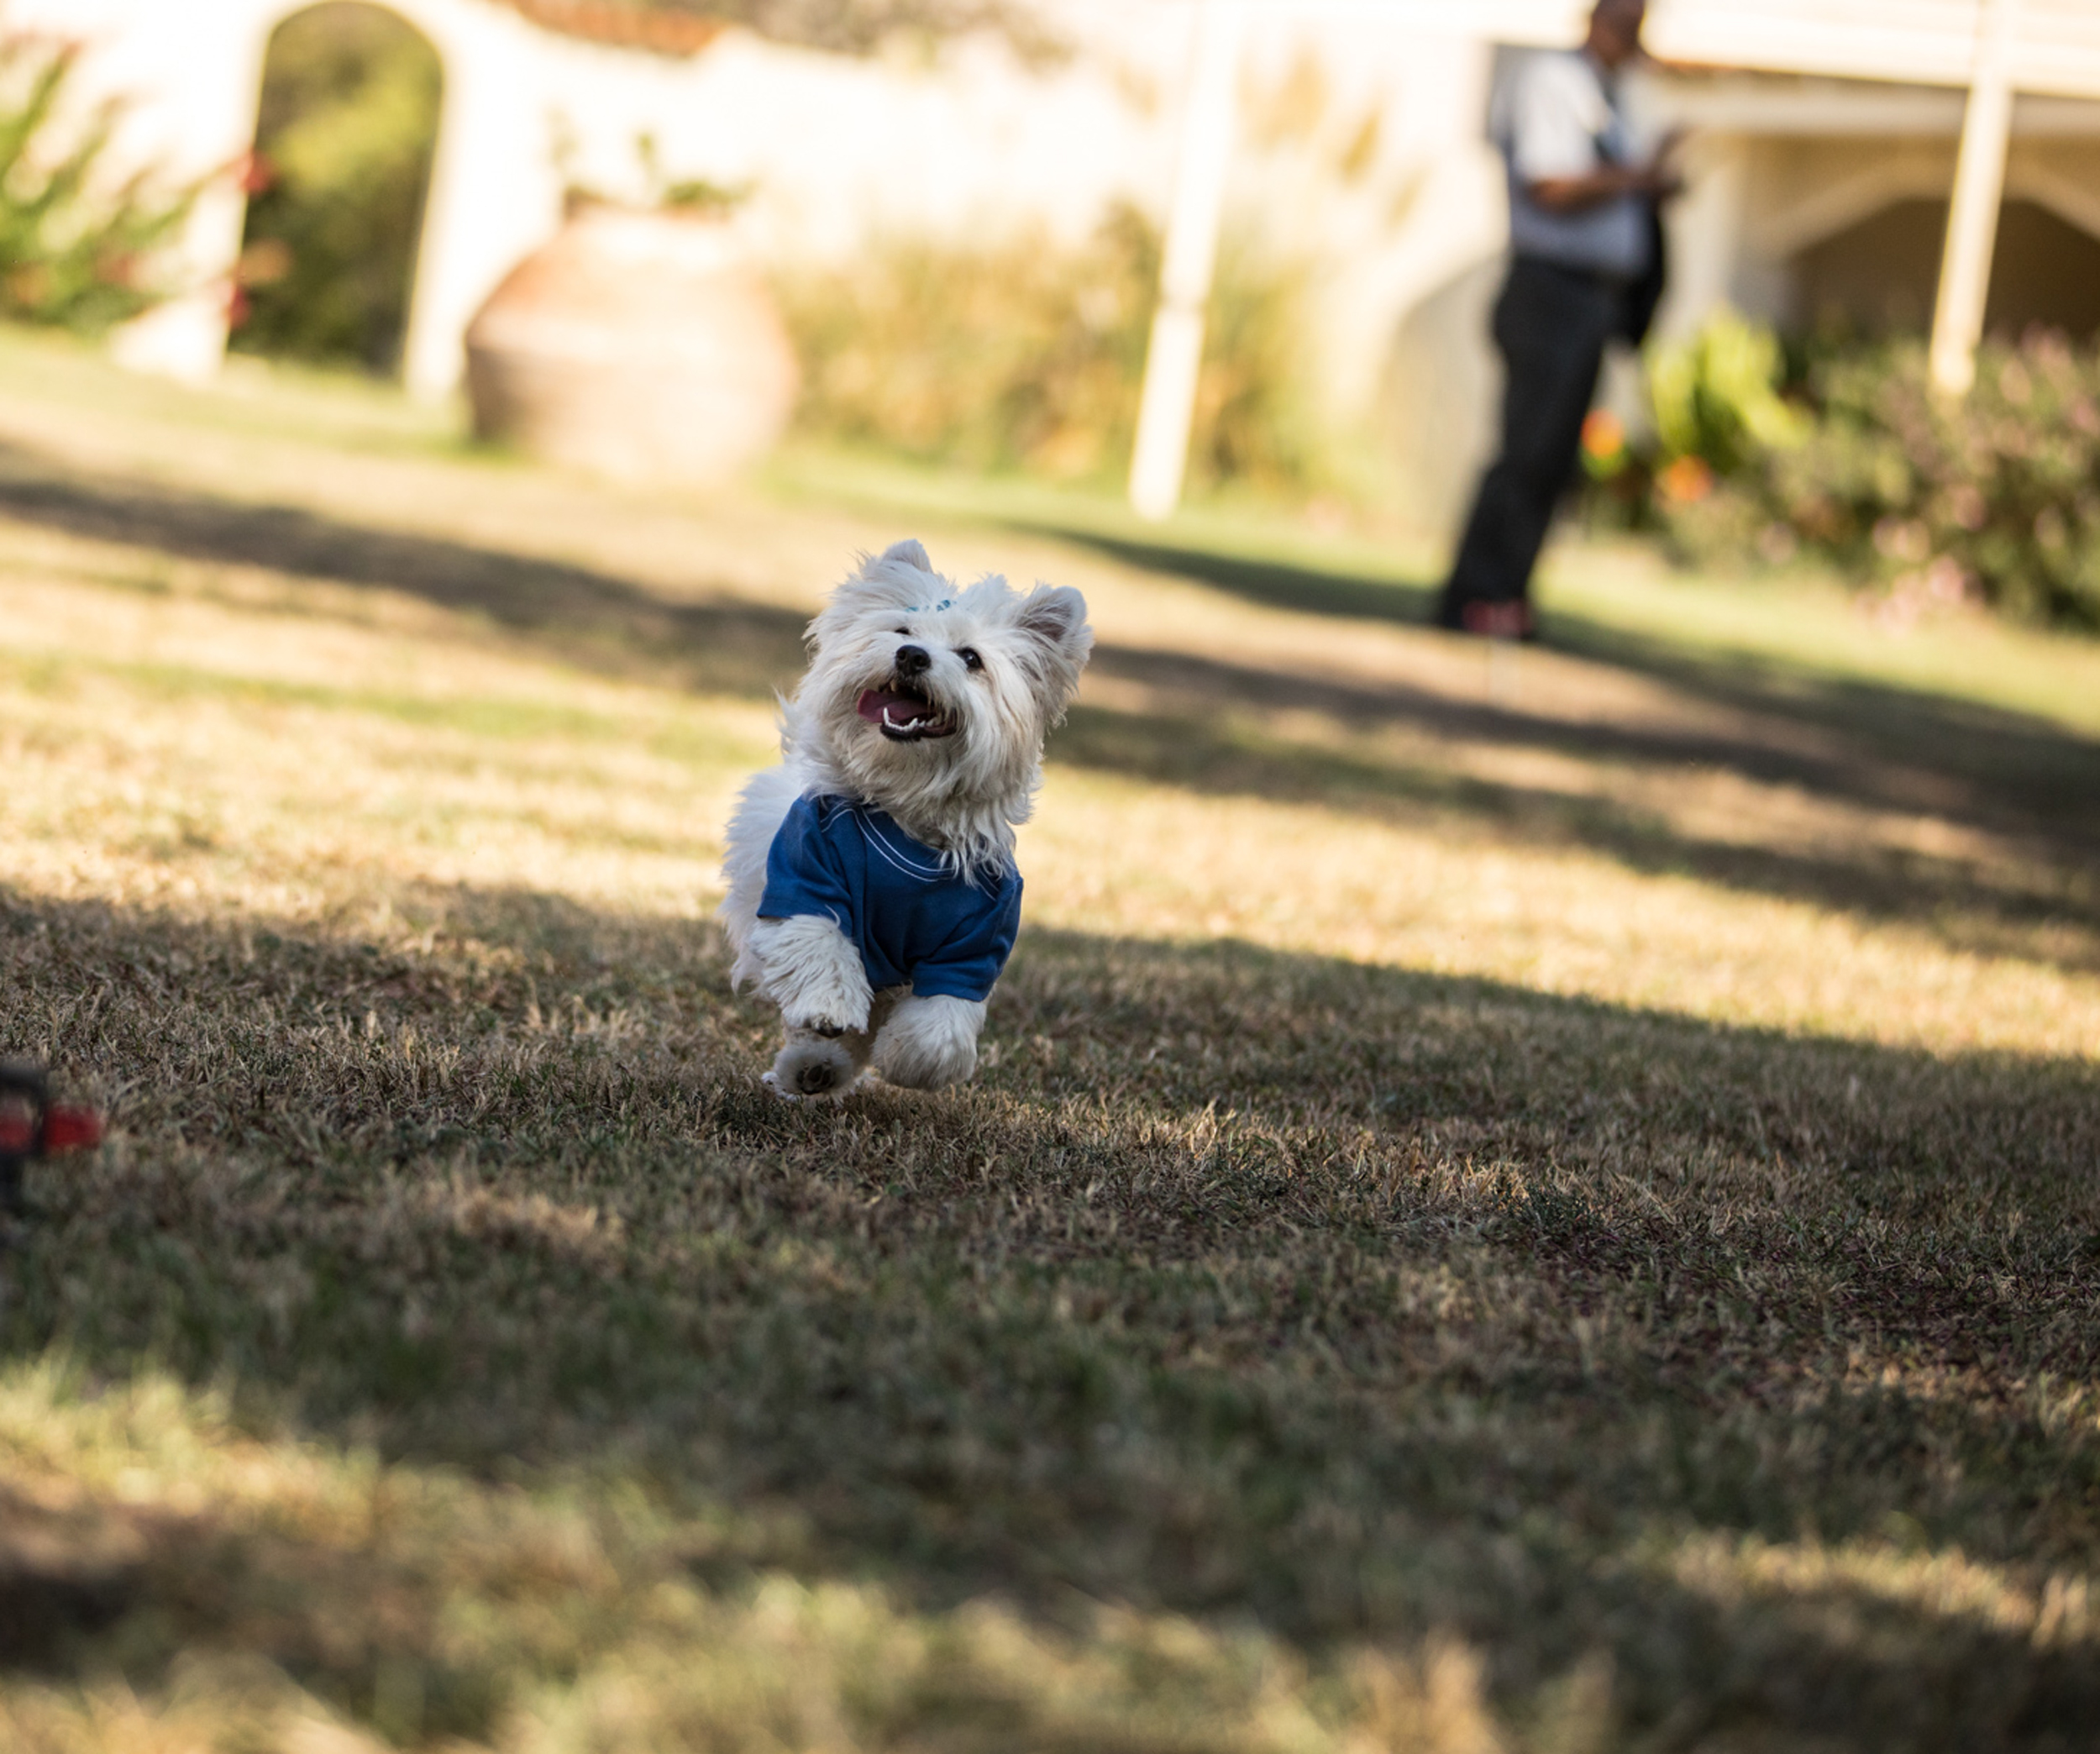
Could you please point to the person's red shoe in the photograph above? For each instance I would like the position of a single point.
(1499, 621)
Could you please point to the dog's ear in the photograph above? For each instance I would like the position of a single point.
(896, 579)
(1054, 617)
(899, 575)
(1055, 614)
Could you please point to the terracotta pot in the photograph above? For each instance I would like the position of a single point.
(640, 346)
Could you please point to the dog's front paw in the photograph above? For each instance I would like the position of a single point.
(813, 972)
(930, 1043)
(811, 1065)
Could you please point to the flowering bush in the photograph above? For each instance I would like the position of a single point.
(74, 247)
(1718, 415)
(1997, 495)
(850, 27)
(1854, 457)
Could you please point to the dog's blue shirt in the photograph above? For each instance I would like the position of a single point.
(911, 919)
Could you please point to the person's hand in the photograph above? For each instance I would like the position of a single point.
(1656, 178)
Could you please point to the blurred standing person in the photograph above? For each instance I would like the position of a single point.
(1586, 266)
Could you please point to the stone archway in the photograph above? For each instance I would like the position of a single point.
(493, 194)
(189, 78)
(346, 139)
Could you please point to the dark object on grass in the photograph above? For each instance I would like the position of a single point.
(32, 1127)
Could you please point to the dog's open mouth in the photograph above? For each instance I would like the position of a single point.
(903, 716)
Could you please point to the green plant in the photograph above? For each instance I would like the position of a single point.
(1716, 395)
(344, 145)
(76, 250)
(1027, 355)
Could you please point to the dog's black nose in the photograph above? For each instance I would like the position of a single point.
(912, 661)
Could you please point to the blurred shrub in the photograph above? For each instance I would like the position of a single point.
(1024, 355)
(1997, 495)
(1716, 395)
(344, 144)
(1854, 458)
(77, 249)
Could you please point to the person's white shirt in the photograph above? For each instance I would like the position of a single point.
(1558, 118)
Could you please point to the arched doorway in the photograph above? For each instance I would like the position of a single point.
(1880, 275)
(344, 143)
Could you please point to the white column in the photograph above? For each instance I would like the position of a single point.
(1706, 232)
(494, 193)
(1174, 359)
(188, 87)
(1979, 189)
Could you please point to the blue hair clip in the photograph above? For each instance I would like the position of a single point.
(930, 608)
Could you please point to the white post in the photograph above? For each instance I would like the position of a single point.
(1979, 189)
(495, 195)
(196, 84)
(1174, 359)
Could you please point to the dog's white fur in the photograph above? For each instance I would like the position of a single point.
(961, 795)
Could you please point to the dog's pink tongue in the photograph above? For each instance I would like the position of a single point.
(903, 708)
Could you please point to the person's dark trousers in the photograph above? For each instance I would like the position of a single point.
(1551, 324)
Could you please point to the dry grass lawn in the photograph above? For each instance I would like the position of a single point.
(1546, 1203)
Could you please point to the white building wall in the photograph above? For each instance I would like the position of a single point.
(835, 149)
(1403, 236)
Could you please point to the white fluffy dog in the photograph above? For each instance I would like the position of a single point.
(873, 894)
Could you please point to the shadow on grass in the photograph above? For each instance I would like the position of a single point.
(1363, 1302)
(728, 646)
(2017, 772)
(2041, 771)
(1880, 747)
(1994, 912)
(1273, 583)
(1886, 749)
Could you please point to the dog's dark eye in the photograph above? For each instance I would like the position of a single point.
(970, 660)
(904, 633)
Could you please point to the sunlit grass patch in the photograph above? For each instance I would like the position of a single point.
(229, 741)
(1559, 917)
(341, 1604)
